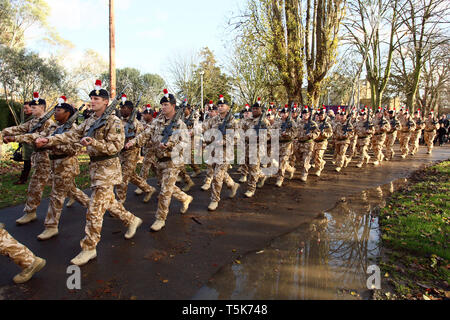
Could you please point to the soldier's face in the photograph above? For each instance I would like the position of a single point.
(223, 109)
(256, 112)
(61, 115)
(305, 116)
(37, 110)
(98, 103)
(167, 108)
(27, 109)
(212, 113)
(322, 116)
(125, 112)
(284, 115)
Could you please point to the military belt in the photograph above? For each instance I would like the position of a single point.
(378, 134)
(306, 141)
(342, 139)
(57, 156)
(103, 158)
(362, 137)
(164, 159)
(429, 130)
(322, 140)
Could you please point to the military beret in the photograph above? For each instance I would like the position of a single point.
(99, 92)
(168, 97)
(37, 100)
(66, 107)
(222, 100)
(257, 104)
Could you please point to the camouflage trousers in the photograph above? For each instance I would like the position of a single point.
(168, 173)
(285, 154)
(429, 139)
(319, 150)
(341, 148)
(149, 163)
(403, 138)
(414, 141)
(377, 146)
(389, 143)
(362, 146)
(351, 150)
(62, 187)
(194, 167)
(254, 173)
(219, 176)
(128, 161)
(303, 153)
(39, 179)
(209, 174)
(243, 169)
(102, 199)
(10, 247)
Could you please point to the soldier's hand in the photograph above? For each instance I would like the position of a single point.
(40, 142)
(129, 144)
(86, 141)
(162, 146)
(9, 139)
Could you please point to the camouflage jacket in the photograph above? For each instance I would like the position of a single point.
(429, 126)
(107, 141)
(302, 135)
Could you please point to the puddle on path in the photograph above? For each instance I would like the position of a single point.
(326, 259)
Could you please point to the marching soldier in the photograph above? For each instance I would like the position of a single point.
(243, 169)
(351, 150)
(212, 112)
(129, 157)
(104, 169)
(168, 170)
(391, 135)
(321, 142)
(407, 126)
(254, 169)
(39, 159)
(189, 121)
(307, 132)
(364, 130)
(149, 162)
(288, 131)
(343, 131)
(64, 169)
(431, 126)
(381, 126)
(417, 133)
(21, 255)
(220, 169)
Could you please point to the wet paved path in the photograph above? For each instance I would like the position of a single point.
(181, 259)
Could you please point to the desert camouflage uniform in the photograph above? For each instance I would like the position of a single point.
(105, 172)
(364, 136)
(167, 169)
(391, 135)
(351, 150)
(254, 170)
(415, 136)
(149, 162)
(320, 144)
(128, 162)
(430, 133)
(64, 168)
(10, 247)
(304, 147)
(404, 134)
(342, 142)
(379, 137)
(286, 145)
(39, 161)
(186, 178)
(219, 170)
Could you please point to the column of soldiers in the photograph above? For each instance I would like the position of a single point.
(114, 145)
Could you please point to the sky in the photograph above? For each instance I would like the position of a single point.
(148, 33)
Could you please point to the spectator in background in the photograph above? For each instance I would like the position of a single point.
(27, 150)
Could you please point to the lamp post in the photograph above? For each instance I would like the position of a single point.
(201, 90)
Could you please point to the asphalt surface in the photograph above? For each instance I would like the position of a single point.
(175, 262)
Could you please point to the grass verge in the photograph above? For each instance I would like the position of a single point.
(415, 229)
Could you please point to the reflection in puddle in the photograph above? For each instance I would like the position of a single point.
(327, 259)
